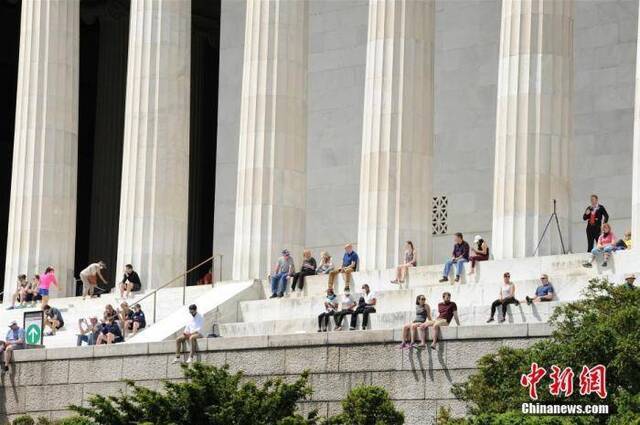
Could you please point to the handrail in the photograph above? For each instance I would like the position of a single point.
(184, 285)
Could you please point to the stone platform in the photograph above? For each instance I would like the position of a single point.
(43, 382)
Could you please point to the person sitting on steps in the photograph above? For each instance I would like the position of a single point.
(330, 307)
(349, 265)
(308, 268)
(190, 335)
(410, 260)
(459, 256)
(325, 266)
(480, 252)
(283, 268)
(409, 331)
(447, 310)
(544, 292)
(366, 306)
(506, 296)
(347, 306)
(605, 246)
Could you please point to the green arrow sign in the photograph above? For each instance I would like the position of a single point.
(33, 334)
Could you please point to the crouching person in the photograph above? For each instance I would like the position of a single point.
(192, 331)
(447, 310)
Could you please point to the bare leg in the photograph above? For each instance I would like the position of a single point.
(405, 333)
(402, 272)
(434, 333)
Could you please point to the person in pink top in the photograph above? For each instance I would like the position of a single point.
(606, 245)
(46, 280)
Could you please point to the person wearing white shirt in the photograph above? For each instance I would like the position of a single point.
(366, 306)
(192, 331)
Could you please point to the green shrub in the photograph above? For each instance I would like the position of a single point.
(367, 405)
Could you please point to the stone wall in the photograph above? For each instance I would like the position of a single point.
(43, 382)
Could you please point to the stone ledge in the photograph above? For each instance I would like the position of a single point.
(493, 331)
(69, 353)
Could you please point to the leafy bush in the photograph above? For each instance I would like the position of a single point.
(601, 328)
(367, 405)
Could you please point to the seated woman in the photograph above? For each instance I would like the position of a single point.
(109, 333)
(506, 296)
(479, 252)
(308, 269)
(109, 313)
(325, 265)
(410, 330)
(605, 246)
(410, 260)
(330, 307)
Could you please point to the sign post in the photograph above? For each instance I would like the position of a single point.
(33, 327)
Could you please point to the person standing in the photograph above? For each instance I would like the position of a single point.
(89, 278)
(283, 268)
(349, 265)
(595, 215)
(410, 260)
(506, 296)
(46, 281)
(308, 269)
(192, 331)
(459, 256)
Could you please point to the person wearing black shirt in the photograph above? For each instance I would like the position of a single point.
(130, 282)
(308, 269)
(109, 333)
(595, 215)
(138, 320)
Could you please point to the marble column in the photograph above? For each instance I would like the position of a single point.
(397, 132)
(534, 126)
(635, 185)
(152, 232)
(271, 181)
(42, 210)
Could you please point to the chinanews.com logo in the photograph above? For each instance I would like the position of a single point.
(591, 381)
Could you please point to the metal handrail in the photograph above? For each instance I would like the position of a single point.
(184, 285)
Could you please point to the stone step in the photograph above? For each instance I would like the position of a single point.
(469, 315)
(487, 272)
(400, 299)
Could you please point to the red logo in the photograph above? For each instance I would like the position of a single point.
(592, 380)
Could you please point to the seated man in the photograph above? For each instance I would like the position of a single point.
(347, 306)
(366, 306)
(349, 265)
(544, 292)
(14, 341)
(110, 333)
(459, 256)
(89, 331)
(138, 321)
(629, 280)
(192, 331)
(283, 268)
(130, 282)
(447, 310)
(52, 319)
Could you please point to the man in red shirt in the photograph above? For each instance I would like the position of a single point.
(447, 310)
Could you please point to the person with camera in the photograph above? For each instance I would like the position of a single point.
(595, 215)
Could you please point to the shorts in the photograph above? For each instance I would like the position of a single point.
(43, 292)
(437, 322)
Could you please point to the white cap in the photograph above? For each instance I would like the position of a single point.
(629, 276)
(477, 238)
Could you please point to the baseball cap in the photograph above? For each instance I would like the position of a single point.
(13, 322)
(629, 276)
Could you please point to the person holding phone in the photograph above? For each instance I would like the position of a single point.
(595, 215)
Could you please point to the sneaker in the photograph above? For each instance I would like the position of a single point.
(352, 329)
(604, 264)
(10, 308)
(48, 334)
(402, 346)
(587, 265)
(458, 278)
(444, 279)
(189, 360)
(394, 281)
(273, 295)
(502, 320)
(490, 320)
(280, 295)
(176, 360)
(338, 328)
(528, 300)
